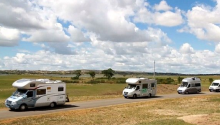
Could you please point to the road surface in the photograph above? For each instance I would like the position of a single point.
(6, 113)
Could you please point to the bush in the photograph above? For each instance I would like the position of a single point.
(165, 81)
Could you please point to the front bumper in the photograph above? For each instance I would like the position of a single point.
(214, 90)
(10, 105)
(180, 91)
(126, 94)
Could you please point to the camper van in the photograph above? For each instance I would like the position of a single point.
(215, 86)
(140, 87)
(33, 93)
(190, 85)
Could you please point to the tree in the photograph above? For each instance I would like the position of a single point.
(92, 74)
(108, 73)
(77, 73)
(210, 80)
(180, 79)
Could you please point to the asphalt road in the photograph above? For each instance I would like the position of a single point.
(6, 113)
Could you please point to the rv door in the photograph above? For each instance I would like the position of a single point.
(30, 98)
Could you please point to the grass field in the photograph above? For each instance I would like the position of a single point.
(202, 110)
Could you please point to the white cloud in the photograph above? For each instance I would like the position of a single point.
(217, 48)
(133, 56)
(165, 18)
(204, 21)
(186, 49)
(9, 37)
(77, 35)
(162, 6)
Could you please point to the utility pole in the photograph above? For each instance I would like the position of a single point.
(154, 69)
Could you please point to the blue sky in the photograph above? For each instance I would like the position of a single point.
(181, 36)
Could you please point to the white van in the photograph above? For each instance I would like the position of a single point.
(215, 86)
(190, 85)
(36, 93)
(140, 87)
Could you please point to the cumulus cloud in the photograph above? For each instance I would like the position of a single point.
(162, 6)
(165, 18)
(186, 49)
(204, 21)
(9, 37)
(77, 35)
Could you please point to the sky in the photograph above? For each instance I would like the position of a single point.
(129, 35)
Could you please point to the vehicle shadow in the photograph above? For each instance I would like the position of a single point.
(147, 97)
(47, 108)
(194, 93)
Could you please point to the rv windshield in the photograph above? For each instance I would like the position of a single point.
(20, 92)
(184, 84)
(131, 86)
(215, 84)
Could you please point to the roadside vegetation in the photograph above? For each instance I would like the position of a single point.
(200, 110)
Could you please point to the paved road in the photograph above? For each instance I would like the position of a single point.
(5, 114)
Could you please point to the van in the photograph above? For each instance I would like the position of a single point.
(33, 93)
(190, 85)
(140, 87)
(215, 86)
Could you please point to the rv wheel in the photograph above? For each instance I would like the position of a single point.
(23, 107)
(52, 104)
(134, 96)
(186, 92)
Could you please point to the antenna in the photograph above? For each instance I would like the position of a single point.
(154, 69)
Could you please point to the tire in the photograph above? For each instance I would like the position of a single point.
(23, 107)
(12, 109)
(67, 99)
(52, 105)
(186, 92)
(134, 96)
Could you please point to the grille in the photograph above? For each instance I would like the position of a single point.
(125, 93)
(8, 102)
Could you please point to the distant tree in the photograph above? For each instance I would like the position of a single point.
(211, 80)
(77, 73)
(108, 73)
(180, 79)
(92, 74)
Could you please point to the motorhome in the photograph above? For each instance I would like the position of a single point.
(215, 86)
(140, 87)
(36, 93)
(190, 85)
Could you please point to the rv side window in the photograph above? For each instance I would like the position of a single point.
(32, 85)
(188, 85)
(145, 86)
(60, 88)
(152, 85)
(41, 91)
(197, 84)
(30, 94)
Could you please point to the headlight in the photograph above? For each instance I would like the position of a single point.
(14, 103)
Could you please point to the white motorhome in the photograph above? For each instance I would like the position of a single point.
(190, 85)
(140, 87)
(215, 86)
(36, 93)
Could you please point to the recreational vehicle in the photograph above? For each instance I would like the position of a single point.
(190, 85)
(36, 93)
(140, 87)
(215, 86)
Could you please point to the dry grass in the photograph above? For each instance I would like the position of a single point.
(195, 110)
